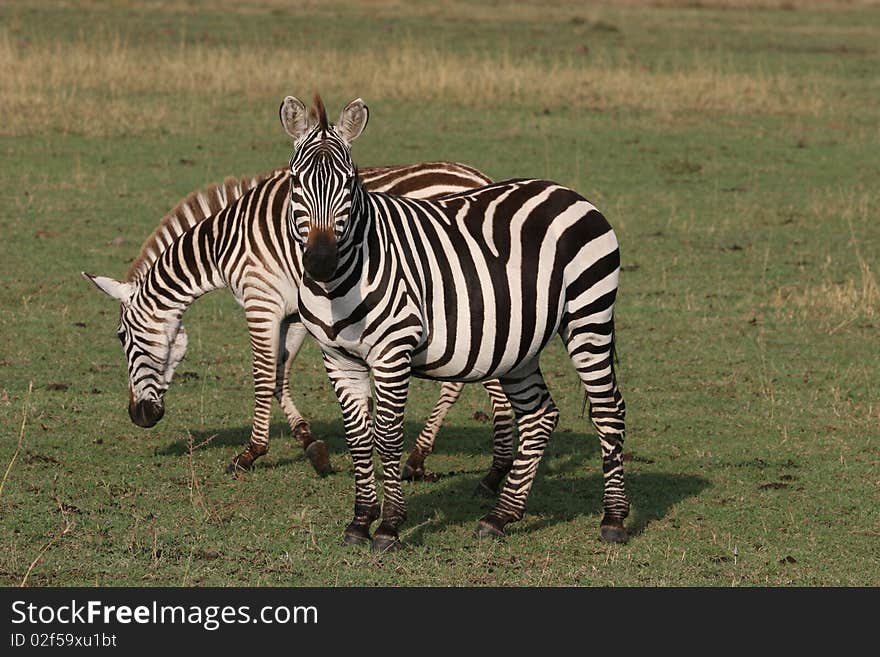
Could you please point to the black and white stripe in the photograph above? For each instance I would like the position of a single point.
(234, 235)
(468, 287)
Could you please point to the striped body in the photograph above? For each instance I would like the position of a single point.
(467, 287)
(485, 294)
(234, 235)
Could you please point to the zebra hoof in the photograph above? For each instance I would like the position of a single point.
(490, 485)
(241, 463)
(484, 490)
(409, 473)
(486, 529)
(356, 536)
(319, 457)
(613, 533)
(414, 467)
(383, 543)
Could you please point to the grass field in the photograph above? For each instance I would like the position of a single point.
(735, 148)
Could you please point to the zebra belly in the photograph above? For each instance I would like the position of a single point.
(456, 368)
(478, 346)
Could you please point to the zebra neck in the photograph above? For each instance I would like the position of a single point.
(186, 270)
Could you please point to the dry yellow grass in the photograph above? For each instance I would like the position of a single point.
(747, 5)
(104, 86)
(837, 302)
(833, 305)
(489, 9)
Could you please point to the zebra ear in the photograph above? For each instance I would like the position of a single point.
(353, 120)
(294, 117)
(111, 287)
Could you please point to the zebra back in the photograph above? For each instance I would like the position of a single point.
(193, 209)
(423, 180)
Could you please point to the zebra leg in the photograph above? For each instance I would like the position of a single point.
(414, 468)
(351, 382)
(391, 383)
(537, 416)
(589, 340)
(502, 439)
(264, 330)
(292, 335)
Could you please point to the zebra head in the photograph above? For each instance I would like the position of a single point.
(324, 184)
(154, 345)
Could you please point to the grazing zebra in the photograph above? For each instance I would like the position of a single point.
(468, 287)
(235, 235)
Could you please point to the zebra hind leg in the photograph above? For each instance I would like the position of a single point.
(589, 342)
(537, 417)
(503, 427)
(414, 468)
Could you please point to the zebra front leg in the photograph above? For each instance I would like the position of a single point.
(414, 468)
(264, 331)
(291, 338)
(502, 439)
(351, 382)
(537, 416)
(264, 327)
(391, 383)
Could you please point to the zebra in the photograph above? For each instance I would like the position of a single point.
(234, 235)
(468, 287)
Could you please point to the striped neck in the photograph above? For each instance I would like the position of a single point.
(186, 270)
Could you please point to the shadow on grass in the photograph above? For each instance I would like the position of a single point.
(557, 499)
(476, 440)
(567, 449)
(569, 482)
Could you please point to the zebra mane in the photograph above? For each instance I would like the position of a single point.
(196, 207)
(319, 113)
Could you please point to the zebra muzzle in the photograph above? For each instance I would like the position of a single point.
(320, 258)
(146, 413)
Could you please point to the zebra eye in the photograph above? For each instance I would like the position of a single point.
(121, 335)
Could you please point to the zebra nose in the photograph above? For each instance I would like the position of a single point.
(320, 258)
(146, 412)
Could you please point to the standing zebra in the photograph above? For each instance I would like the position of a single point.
(468, 287)
(235, 235)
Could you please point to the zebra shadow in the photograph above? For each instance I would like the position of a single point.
(555, 498)
(567, 449)
(468, 440)
(568, 484)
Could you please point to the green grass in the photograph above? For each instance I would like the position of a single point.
(748, 316)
